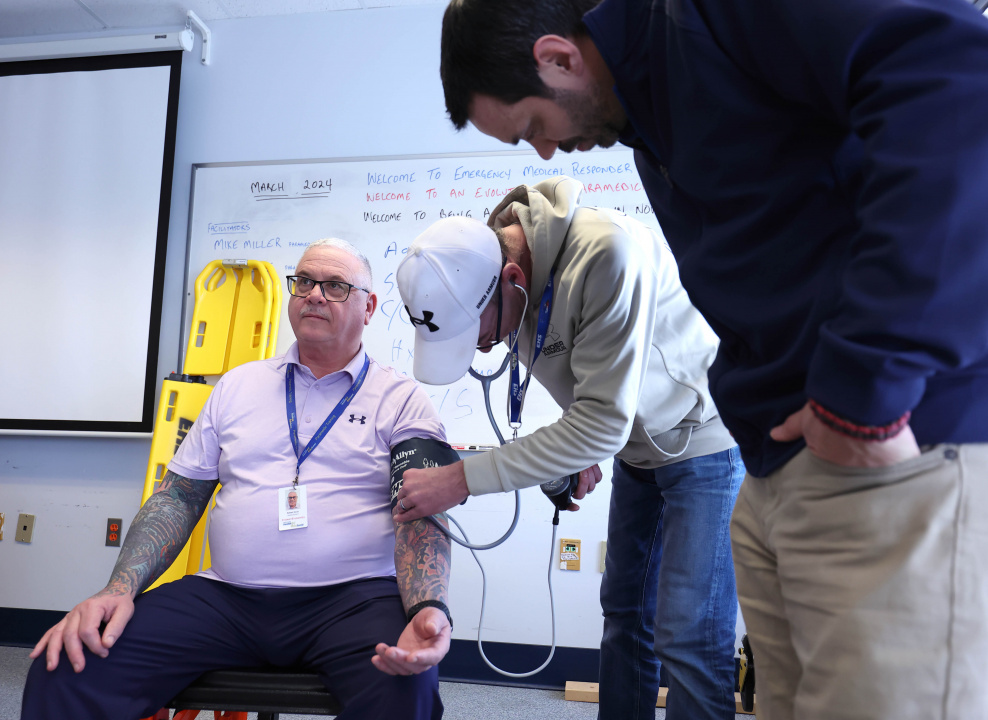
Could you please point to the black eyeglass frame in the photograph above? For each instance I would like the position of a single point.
(497, 331)
(293, 280)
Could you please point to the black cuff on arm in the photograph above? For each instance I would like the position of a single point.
(414, 609)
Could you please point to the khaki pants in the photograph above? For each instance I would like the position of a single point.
(865, 591)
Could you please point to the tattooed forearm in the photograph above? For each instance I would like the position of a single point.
(422, 562)
(159, 532)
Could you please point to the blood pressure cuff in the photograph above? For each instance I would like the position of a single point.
(417, 453)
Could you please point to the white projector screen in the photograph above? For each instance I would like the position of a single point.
(86, 157)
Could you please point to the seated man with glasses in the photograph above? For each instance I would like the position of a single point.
(604, 324)
(308, 568)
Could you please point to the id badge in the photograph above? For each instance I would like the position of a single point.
(292, 511)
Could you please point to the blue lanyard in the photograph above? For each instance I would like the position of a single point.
(518, 388)
(327, 423)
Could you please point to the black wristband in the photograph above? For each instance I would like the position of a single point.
(414, 609)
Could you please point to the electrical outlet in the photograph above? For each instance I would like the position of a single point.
(569, 554)
(603, 554)
(113, 530)
(25, 528)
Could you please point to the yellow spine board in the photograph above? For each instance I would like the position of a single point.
(252, 318)
(197, 549)
(178, 407)
(209, 337)
(236, 319)
(275, 323)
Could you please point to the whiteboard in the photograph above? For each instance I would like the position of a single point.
(272, 211)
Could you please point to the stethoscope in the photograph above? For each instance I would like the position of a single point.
(485, 383)
(511, 357)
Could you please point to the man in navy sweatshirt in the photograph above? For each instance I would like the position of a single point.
(817, 167)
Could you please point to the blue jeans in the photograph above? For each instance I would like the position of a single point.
(668, 590)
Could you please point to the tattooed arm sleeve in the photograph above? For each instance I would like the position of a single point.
(159, 532)
(422, 562)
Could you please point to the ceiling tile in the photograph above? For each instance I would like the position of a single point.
(259, 8)
(155, 13)
(396, 3)
(25, 18)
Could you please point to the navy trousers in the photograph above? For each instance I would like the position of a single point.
(184, 628)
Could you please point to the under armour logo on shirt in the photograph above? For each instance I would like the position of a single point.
(354, 418)
(425, 320)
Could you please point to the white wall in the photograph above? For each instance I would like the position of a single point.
(340, 84)
(71, 485)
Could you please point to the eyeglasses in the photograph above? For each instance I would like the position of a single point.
(332, 290)
(497, 331)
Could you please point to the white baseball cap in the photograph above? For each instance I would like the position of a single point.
(446, 280)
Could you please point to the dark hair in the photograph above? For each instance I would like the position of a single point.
(487, 48)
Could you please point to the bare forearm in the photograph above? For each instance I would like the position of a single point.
(422, 562)
(159, 532)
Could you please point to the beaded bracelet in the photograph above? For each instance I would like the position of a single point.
(860, 432)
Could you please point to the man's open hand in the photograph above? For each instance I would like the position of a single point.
(423, 643)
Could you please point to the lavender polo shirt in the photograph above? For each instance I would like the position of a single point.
(241, 437)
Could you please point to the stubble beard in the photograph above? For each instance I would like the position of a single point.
(589, 112)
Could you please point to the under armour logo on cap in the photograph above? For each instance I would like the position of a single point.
(452, 268)
(425, 320)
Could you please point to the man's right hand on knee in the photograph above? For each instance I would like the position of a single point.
(81, 627)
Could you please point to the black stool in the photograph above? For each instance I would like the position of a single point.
(267, 691)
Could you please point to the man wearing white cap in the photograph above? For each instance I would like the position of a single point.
(590, 300)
